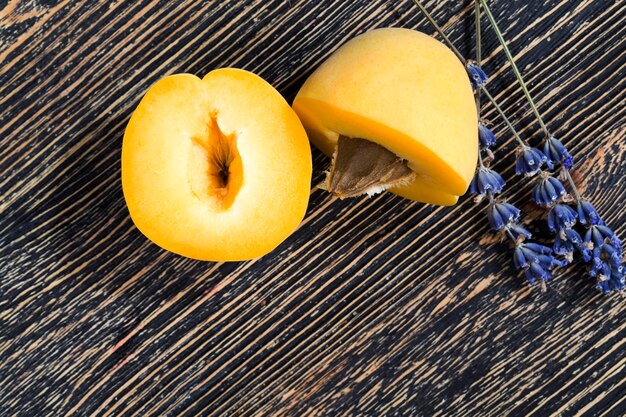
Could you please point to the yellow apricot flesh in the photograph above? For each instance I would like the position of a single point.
(217, 168)
(407, 92)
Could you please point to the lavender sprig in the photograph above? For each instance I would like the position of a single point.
(600, 246)
(535, 260)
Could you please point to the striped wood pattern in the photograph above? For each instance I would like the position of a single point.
(373, 307)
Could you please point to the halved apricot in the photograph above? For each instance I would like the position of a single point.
(406, 92)
(217, 168)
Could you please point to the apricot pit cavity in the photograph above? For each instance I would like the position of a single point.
(360, 167)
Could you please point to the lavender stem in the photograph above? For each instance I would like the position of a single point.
(570, 180)
(496, 29)
(506, 119)
(478, 51)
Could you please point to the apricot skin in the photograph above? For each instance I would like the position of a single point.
(172, 182)
(407, 92)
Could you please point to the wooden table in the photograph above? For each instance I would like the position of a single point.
(373, 307)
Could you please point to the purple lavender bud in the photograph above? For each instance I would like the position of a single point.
(548, 261)
(561, 216)
(615, 283)
(502, 214)
(478, 77)
(486, 137)
(597, 266)
(486, 181)
(518, 230)
(528, 252)
(614, 256)
(548, 191)
(588, 214)
(529, 161)
(537, 272)
(598, 234)
(563, 246)
(536, 247)
(566, 241)
(519, 259)
(536, 260)
(610, 278)
(556, 153)
(539, 266)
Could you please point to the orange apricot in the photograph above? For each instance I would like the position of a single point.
(217, 168)
(399, 106)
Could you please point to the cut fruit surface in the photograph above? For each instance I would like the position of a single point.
(407, 92)
(217, 168)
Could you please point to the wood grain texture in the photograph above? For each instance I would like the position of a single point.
(373, 307)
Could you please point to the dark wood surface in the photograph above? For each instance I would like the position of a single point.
(373, 307)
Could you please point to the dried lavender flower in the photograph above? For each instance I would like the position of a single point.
(609, 277)
(598, 235)
(478, 77)
(566, 241)
(536, 261)
(556, 153)
(587, 213)
(501, 215)
(519, 232)
(485, 136)
(529, 161)
(486, 181)
(548, 191)
(561, 216)
(607, 259)
(613, 254)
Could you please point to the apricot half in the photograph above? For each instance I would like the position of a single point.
(217, 168)
(409, 94)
